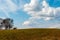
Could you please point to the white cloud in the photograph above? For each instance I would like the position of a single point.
(48, 18)
(55, 25)
(11, 6)
(8, 6)
(26, 23)
(41, 10)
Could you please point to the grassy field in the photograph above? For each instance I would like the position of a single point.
(30, 34)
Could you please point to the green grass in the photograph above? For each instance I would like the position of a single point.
(30, 34)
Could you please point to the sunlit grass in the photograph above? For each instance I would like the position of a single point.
(30, 34)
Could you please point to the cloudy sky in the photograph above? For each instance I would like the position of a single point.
(32, 13)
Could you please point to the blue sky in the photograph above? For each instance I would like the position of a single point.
(32, 13)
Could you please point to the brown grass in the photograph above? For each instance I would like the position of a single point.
(30, 34)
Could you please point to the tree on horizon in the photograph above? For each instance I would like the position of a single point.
(8, 23)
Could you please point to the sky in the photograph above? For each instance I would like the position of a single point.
(32, 13)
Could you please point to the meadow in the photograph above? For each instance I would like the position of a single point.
(30, 34)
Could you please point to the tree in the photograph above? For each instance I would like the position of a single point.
(14, 28)
(1, 25)
(8, 23)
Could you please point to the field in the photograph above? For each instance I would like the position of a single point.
(30, 34)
